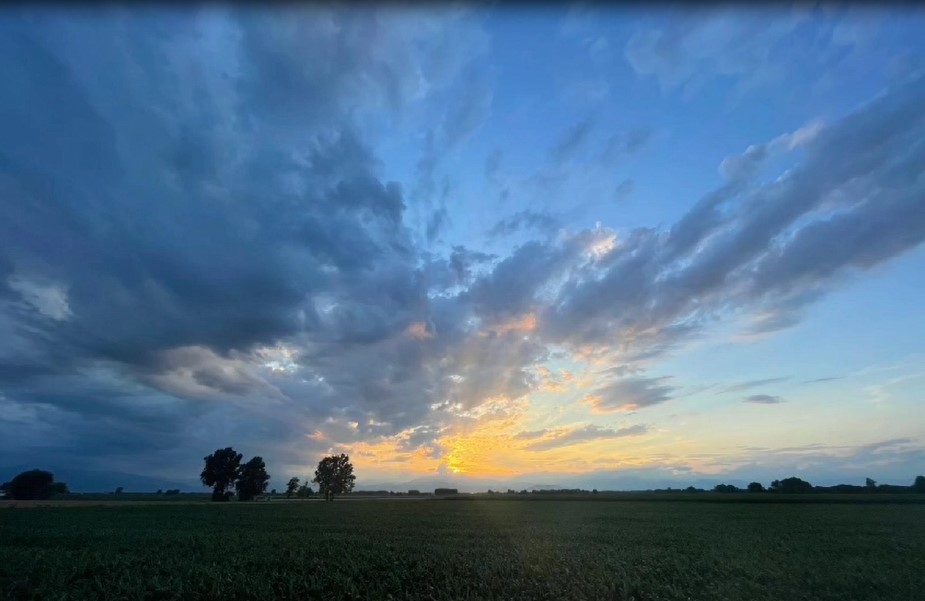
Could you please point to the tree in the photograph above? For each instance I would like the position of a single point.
(791, 485)
(755, 487)
(870, 483)
(252, 479)
(221, 472)
(919, 484)
(34, 484)
(725, 488)
(291, 487)
(334, 476)
(60, 488)
(119, 490)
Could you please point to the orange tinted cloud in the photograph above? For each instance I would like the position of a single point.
(550, 382)
(599, 406)
(524, 323)
(491, 441)
(419, 331)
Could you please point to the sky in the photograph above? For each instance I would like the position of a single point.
(561, 245)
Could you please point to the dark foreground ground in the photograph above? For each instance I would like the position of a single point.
(433, 549)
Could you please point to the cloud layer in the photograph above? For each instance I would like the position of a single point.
(199, 244)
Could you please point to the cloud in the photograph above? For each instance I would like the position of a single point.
(48, 299)
(493, 165)
(214, 252)
(437, 222)
(573, 141)
(629, 394)
(591, 91)
(542, 222)
(764, 399)
(750, 384)
(253, 213)
(545, 440)
(703, 45)
(462, 260)
(625, 189)
(472, 111)
(765, 249)
(818, 380)
(800, 52)
(626, 144)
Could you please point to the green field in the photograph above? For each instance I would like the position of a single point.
(438, 549)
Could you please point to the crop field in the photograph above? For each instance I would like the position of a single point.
(437, 549)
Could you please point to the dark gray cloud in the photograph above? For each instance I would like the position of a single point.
(462, 260)
(201, 198)
(514, 285)
(763, 399)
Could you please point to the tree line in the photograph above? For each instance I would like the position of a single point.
(796, 485)
(792, 485)
(229, 478)
(224, 472)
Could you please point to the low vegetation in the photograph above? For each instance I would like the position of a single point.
(442, 550)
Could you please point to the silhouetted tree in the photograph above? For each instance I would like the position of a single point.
(60, 488)
(919, 484)
(221, 472)
(755, 487)
(334, 476)
(291, 487)
(252, 479)
(304, 491)
(725, 488)
(791, 485)
(871, 484)
(34, 484)
(119, 490)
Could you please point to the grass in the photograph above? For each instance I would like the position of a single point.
(438, 549)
